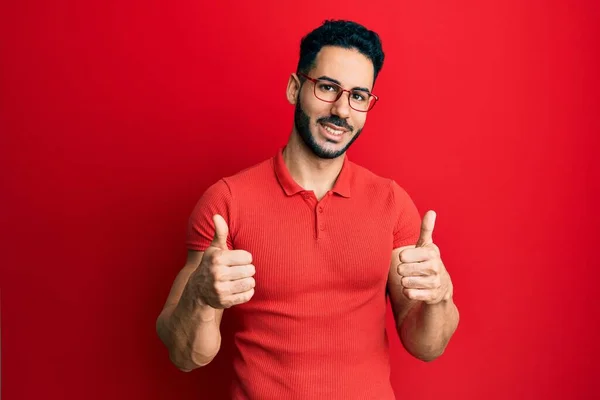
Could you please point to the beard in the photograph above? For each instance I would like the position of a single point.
(302, 124)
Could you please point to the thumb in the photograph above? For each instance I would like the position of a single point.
(221, 232)
(427, 226)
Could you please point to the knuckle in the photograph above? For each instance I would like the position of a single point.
(218, 288)
(230, 303)
(401, 269)
(217, 274)
(251, 269)
(217, 257)
(404, 255)
(243, 298)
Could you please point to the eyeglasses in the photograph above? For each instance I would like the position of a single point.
(329, 92)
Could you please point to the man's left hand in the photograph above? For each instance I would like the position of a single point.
(424, 276)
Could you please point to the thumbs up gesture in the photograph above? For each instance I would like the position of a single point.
(424, 276)
(224, 277)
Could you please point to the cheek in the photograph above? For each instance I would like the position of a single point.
(313, 107)
(358, 122)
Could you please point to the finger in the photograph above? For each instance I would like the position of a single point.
(231, 258)
(418, 254)
(424, 268)
(237, 272)
(241, 285)
(427, 226)
(238, 298)
(420, 282)
(221, 232)
(419, 294)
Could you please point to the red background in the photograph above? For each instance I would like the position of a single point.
(115, 116)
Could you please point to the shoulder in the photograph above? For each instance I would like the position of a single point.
(364, 176)
(373, 186)
(251, 176)
(244, 179)
(366, 179)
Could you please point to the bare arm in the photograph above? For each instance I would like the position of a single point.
(211, 281)
(424, 329)
(188, 328)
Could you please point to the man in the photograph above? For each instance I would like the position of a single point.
(302, 249)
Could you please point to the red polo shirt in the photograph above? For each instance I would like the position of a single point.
(315, 328)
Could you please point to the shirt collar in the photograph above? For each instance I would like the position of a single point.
(290, 187)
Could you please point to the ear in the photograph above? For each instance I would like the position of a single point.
(293, 88)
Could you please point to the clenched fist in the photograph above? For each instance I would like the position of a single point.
(424, 276)
(224, 277)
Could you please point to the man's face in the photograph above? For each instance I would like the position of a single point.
(315, 119)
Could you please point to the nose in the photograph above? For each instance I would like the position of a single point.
(341, 107)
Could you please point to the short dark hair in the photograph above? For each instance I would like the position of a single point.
(346, 34)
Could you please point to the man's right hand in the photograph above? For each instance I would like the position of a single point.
(224, 277)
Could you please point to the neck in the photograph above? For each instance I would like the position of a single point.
(308, 170)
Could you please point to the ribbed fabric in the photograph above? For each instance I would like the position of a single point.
(315, 328)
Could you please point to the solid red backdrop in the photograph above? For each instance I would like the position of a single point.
(115, 116)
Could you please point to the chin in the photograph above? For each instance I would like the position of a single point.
(328, 150)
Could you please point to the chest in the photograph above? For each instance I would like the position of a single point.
(303, 247)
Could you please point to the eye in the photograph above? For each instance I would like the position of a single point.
(327, 88)
(359, 96)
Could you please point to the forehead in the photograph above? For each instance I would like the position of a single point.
(348, 66)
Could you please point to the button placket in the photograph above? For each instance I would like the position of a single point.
(306, 199)
(317, 224)
(320, 215)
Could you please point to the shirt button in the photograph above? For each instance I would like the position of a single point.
(320, 209)
(321, 227)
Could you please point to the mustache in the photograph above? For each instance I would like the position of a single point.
(334, 120)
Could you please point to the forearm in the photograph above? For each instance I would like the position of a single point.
(427, 328)
(191, 334)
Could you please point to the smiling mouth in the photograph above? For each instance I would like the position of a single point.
(336, 132)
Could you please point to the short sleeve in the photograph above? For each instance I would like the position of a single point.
(408, 221)
(217, 199)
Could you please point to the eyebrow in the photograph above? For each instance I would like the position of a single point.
(326, 78)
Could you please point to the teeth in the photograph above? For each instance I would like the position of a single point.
(333, 131)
